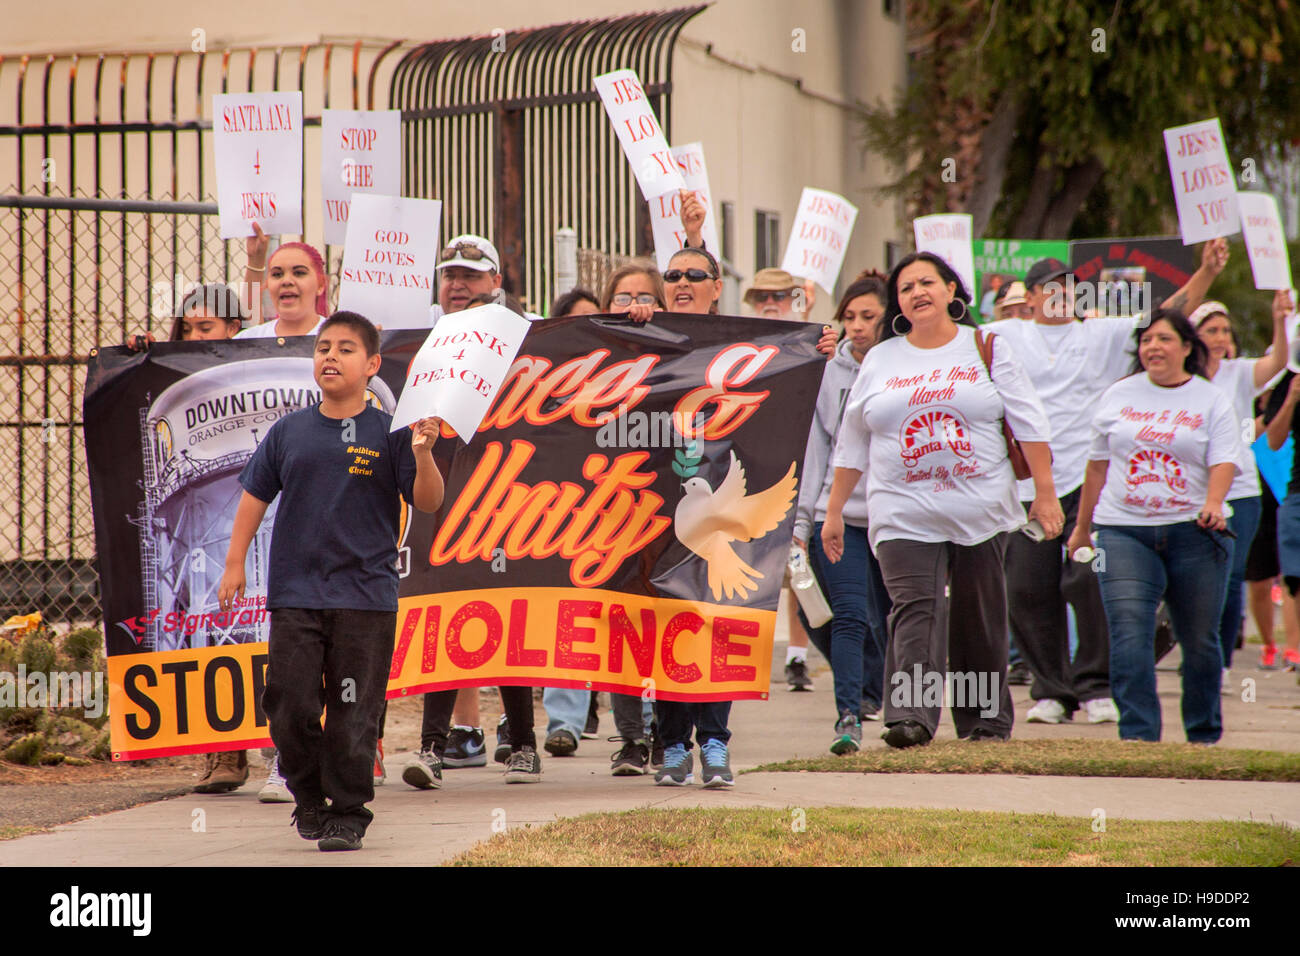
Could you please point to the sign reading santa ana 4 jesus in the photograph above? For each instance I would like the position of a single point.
(257, 142)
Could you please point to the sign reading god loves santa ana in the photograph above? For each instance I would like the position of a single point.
(257, 144)
(388, 262)
(639, 132)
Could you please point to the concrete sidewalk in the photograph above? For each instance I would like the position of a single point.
(424, 827)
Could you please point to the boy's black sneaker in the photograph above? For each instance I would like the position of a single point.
(465, 748)
(310, 821)
(339, 836)
(502, 753)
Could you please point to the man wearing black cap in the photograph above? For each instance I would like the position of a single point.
(1071, 363)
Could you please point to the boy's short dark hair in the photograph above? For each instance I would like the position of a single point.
(359, 324)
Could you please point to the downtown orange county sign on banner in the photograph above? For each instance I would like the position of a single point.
(620, 521)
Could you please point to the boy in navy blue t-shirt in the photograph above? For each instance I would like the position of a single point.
(332, 589)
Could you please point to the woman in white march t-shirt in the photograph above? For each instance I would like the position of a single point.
(924, 422)
(1241, 379)
(1165, 448)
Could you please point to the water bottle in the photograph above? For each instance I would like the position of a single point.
(806, 590)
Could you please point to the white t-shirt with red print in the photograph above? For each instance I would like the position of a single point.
(1160, 443)
(925, 426)
(1236, 377)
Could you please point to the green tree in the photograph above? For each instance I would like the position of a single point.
(1051, 111)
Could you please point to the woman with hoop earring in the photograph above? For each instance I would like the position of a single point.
(924, 423)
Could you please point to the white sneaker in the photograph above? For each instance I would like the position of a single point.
(1101, 711)
(275, 790)
(1225, 687)
(1049, 710)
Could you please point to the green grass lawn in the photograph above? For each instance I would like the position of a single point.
(1075, 758)
(841, 836)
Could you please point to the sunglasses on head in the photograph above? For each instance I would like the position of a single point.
(465, 250)
(694, 275)
(641, 298)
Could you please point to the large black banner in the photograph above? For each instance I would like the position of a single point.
(621, 519)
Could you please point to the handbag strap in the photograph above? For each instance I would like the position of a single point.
(984, 343)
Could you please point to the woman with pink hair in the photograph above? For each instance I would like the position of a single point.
(295, 277)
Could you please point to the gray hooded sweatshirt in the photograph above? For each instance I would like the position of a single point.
(815, 484)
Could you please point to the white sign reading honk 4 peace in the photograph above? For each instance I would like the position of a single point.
(389, 259)
(639, 132)
(949, 236)
(460, 367)
(1261, 227)
(257, 144)
(361, 152)
(666, 210)
(820, 236)
(1205, 190)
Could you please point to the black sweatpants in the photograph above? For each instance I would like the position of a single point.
(931, 636)
(336, 662)
(438, 706)
(1041, 581)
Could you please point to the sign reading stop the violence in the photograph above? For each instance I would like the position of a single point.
(666, 210)
(820, 236)
(389, 258)
(460, 367)
(1205, 191)
(257, 143)
(361, 152)
(1261, 227)
(949, 236)
(639, 132)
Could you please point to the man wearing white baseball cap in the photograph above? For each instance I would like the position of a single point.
(467, 266)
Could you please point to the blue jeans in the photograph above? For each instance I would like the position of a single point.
(1243, 523)
(1189, 567)
(854, 639)
(708, 718)
(566, 709)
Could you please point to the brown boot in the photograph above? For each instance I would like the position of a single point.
(229, 772)
(209, 765)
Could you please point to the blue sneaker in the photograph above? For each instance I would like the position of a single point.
(676, 771)
(716, 770)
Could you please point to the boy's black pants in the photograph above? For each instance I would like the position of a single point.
(336, 661)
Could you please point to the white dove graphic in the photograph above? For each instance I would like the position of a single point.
(707, 521)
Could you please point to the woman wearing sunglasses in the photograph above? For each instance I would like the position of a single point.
(1165, 448)
(693, 282)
